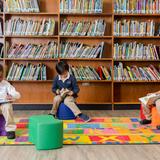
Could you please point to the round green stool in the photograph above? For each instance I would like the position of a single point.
(46, 132)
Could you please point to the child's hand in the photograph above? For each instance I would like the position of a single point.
(9, 97)
(70, 93)
(58, 91)
(62, 90)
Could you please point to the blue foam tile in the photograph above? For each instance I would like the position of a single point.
(134, 120)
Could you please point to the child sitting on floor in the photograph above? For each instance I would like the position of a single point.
(66, 89)
(147, 110)
(7, 95)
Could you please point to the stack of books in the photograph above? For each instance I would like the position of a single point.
(135, 73)
(80, 50)
(22, 6)
(81, 6)
(136, 51)
(134, 28)
(137, 6)
(35, 51)
(83, 28)
(19, 26)
(90, 73)
(27, 72)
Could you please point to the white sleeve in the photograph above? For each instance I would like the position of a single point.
(12, 91)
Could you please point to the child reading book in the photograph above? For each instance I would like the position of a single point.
(7, 95)
(66, 89)
(147, 102)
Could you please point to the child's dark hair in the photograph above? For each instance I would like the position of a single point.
(1, 68)
(61, 67)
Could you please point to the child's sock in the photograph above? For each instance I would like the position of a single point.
(145, 121)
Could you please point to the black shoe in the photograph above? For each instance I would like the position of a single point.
(54, 116)
(11, 135)
(158, 127)
(145, 121)
(84, 117)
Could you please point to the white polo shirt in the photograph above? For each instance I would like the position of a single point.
(7, 89)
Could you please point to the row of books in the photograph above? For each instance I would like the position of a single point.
(136, 51)
(19, 26)
(30, 50)
(22, 6)
(83, 28)
(135, 73)
(137, 6)
(81, 6)
(27, 72)
(80, 50)
(90, 73)
(121, 73)
(124, 51)
(134, 28)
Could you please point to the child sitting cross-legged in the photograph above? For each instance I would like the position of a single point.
(66, 89)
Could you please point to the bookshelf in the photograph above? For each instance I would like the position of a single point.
(110, 91)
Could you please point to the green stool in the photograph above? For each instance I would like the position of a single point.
(45, 132)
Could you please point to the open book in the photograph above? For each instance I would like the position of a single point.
(150, 99)
(64, 92)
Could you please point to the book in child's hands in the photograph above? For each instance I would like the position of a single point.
(64, 92)
(149, 99)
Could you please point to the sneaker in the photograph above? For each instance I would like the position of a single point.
(11, 135)
(84, 117)
(145, 121)
(158, 127)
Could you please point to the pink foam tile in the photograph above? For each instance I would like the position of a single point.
(105, 131)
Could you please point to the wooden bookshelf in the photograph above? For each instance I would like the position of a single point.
(110, 92)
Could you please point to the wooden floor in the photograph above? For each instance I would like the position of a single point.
(83, 152)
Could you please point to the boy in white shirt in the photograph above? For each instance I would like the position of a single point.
(7, 95)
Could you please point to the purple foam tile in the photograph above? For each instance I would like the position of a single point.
(155, 130)
(21, 139)
(3, 133)
(2, 123)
